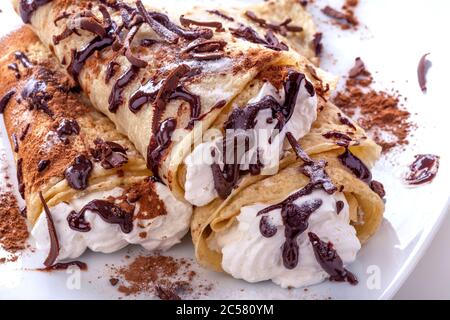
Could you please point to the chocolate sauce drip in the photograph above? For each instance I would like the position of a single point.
(295, 219)
(14, 67)
(159, 143)
(339, 206)
(28, 7)
(79, 58)
(356, 166)
(36, 95)
(15, 142)
(166, 90)
(220, 14)
(145, 94)
(330, 261)
(185, 22)
(67, 128)
(24, 133)
(23, 59)
(77, 174)
(54, 243)
(5, 99)
(346, 121)
(240, 119)
(42, 165)
(249, 34)
(267, 229)
(314, 170)
(109, 212)
(111, 70)
(20, 178)
(378, 188)
(193, 100)
(116, 98)
(282, 27)
(244, 119)
(423, 169)
(109, 154)
(66, 265)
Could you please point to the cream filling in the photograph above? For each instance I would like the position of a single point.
(248, 255)
(199, 185)
(159, 233)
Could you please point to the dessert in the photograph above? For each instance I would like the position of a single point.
(174, 83)
(231, 115)
(84, 183)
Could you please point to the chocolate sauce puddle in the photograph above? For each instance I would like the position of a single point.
(423, 169)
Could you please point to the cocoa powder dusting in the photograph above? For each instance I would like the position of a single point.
(13, 227)
(165, 277)
(378, 112)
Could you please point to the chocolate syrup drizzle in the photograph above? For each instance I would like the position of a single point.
(356, 166)
(54, 243)
(77, 174)
(295, 218)
(330, 261)
(14, 67)
(5, 99)
(116, 98)
(35, 94)
(66, 265)
(23, 59)
(20, 178)
(109, 212)
(244, 119)
(28, 7)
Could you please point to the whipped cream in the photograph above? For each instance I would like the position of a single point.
(248, 255)
(199, 185)
(159, 233)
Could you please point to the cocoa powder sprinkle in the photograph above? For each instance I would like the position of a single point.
(378, 112)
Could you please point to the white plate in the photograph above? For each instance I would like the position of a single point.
(394, 35)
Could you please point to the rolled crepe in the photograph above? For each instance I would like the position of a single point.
(292, 228)
(151, 76)
(85, 184)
